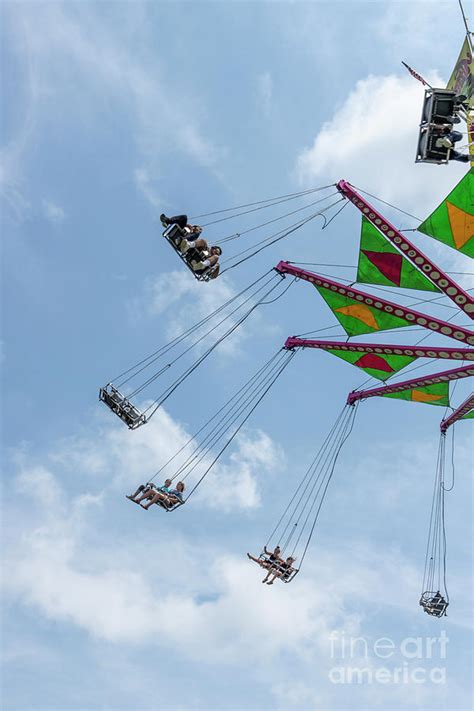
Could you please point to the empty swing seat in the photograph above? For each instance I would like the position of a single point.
(174, 235)
(434, 603)
(439, 106)
(122, 407)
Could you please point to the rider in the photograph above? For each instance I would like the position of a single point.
(283, 570)
(149, 490)
(271, 561)
(206, 258)
(168, 498)
(198, 254)
(447, 138)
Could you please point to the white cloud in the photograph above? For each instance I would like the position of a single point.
(186, 301)
(237, 484)
(58, 44)
(412, 27)
(210, 606)
(297, 694)
(178, 592)
(371, 141)
(52, 570)
(53, 212)
(199, 147)
(11, 187)
(11, 176)
(174, 289)
(47, 490)
(144, 184)
(121, 461)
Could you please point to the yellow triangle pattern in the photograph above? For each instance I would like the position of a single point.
(361, 312)
(420, 396)
(462, 225)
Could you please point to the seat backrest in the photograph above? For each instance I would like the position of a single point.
(175, 234)
(443, 106)
(194, 259)
(428, 150)
(438, 105)
(193, 255)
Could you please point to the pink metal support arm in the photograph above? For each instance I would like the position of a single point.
(458, 413)
(389, 307)
(445, 376)
(439, 278)
(383, 349)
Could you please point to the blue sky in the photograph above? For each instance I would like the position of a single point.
(113, 113)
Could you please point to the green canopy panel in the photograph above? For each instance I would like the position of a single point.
(357, 318)
(453, 221)
(436, 394)
(380, 366)
(381, 263)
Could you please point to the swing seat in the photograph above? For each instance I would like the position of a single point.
(428, 151)
(440, 106)
(152, 487)
(122, 407)
(173, 507)
(170, 508)
(433, 603)
(286, 577)
(174, 235)
(289, 575)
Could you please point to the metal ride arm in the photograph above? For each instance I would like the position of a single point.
(458, 413)
(389, 307)
(382, 349)
(444, 283)
(446, 375)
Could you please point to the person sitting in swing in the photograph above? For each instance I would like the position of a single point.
(202, 258)
(181, 221)
(271, 561)
(448, 137)
(283, 570)
(168, 499)
(149, 490)
(196, 250)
